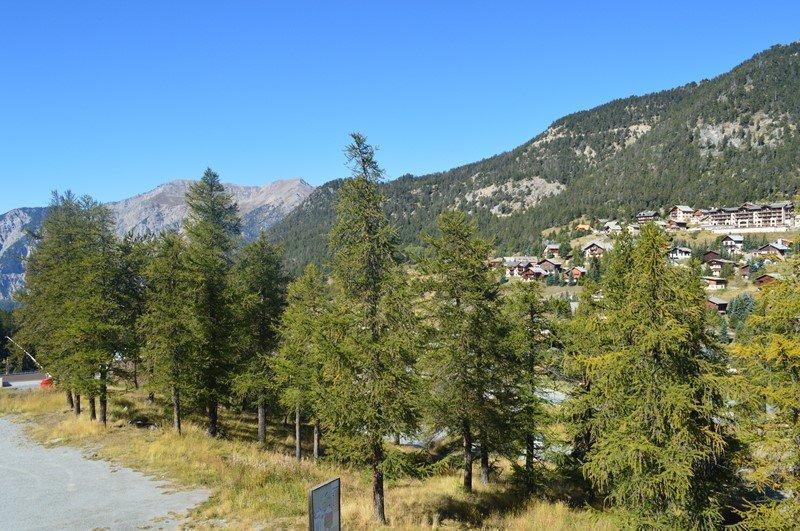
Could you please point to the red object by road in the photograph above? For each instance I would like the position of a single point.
(46, 382)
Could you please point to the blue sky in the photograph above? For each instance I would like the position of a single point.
(113, 98)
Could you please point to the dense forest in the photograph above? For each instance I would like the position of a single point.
(717, 142)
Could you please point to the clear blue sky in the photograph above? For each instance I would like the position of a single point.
(112, 98)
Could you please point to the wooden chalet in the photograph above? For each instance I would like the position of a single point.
(767, 278)
(715, 283)
(717, 304)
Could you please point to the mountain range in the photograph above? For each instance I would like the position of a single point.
(160, 209)
(714, 142)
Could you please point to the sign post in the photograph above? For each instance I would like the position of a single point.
(325, 506)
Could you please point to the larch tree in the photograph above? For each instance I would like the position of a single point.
(372, 395)
(167, 323)
(259, 286)
(531, 338)
(767, 351)
(304, 339)
(469, 365)
(212, 229)
(70, 312)
(661, 444)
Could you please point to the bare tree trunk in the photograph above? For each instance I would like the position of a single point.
(530, 452)
(377, 482)
(176, 409)
(70, 401)
(212, 417)
(92, 408)
(484, 460)
(467, 437)
(77, 404)
(316, 440)
(262, 422)
(397, 439)
(104, 398)
(297, 448)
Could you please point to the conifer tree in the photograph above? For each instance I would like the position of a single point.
(212, 228)
(259, 285)
(167, 324)
(659, 445)
(304, 338)
(531, 338)
(470, 364)
(371, 368)
(70, 309)
(768, 352)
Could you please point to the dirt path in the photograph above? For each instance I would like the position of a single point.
(59, 488)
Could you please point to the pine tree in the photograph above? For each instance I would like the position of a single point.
(469, 365)
(658, 447)
(768, 352)
(259, 284)
(167, 323)
(212, 228)
(372, 367)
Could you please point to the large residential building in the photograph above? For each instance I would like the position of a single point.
(778, 214)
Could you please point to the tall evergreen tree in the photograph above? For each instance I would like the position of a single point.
(470, 363)
(259, 285)
(167, 324)
(659, 445)
(212, 229)
(373, 380)
(768, 352)
(70, 308)
(304, 339)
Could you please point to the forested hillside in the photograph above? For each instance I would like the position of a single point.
(719, 141)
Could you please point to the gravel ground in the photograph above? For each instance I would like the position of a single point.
(60, 488)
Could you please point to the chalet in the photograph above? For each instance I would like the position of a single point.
(717, 304)
(595, 249)
(715, 283)
(517, 267)
(773, 249)
(674, 224)
(676, 254)
(700, 215)
(577, 272)
(733, 243)
(551, 265)
(553, 250)
(745, 271)
(711, 255)
(717, 265)
(646, 215)
(767, 278)
(681, 214)
(612, 227)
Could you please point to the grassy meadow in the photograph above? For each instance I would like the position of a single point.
(267, 488)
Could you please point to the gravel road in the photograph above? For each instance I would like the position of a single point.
(60, 488)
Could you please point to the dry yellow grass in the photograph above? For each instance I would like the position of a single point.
(254, 488)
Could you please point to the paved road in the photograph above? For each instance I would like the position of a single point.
(59, 488)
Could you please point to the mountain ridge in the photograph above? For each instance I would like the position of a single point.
(723, 140)
(161, 208)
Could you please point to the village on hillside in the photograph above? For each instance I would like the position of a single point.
(738, 249)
